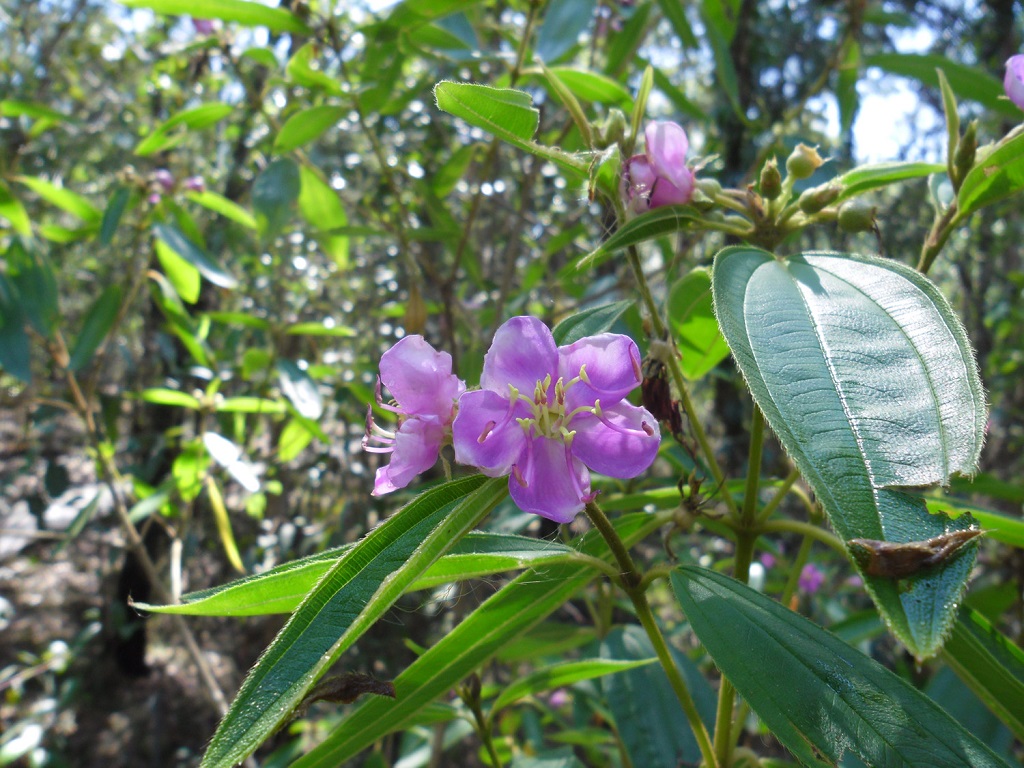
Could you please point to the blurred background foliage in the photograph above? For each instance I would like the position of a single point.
(217, 227)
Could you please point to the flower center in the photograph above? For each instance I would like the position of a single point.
(548, 416)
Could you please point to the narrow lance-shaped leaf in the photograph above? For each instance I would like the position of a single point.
(864, 372)
(250, 14)
(819, 696)
(281, 589)
(506, 615)
(98, 322)
(991, 665)
(194, 255)
(344, 604)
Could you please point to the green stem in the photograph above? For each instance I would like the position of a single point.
(631, 582)
(809, 530)
(780, 494)
(746, 536)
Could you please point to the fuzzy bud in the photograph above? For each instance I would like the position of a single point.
(771, 180)
(857, 216)
(963, 156)
(613, 129)
(816, 199)
(803, 162)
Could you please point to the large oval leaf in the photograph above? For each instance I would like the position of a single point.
(818, 695)
(866, 375)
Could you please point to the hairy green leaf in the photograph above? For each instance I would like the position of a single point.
(819, 696)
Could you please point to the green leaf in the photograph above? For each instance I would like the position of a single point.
(274, 194)
(558, 675)
(300, 389)
(594, 87)
(589, 322)
(719, 32)
(223, 523)
(867, 377)
(647, 226)
(194, 255)
(692, 318)
(35, 284)
(968, 83)
(320, 205)
(98, 322)
(506, 615)
(997, 525)
(173, 397)
(991, 665)
(993, 177)
(113, 213)
(846, 85)
(301, 71)
(281, 589)
(246, 404)
(12, 210)
(819, 696)
(676, 15)
(306, 125)
(320, 329)
(560, 29)
(15, 354)
(34, 110)
(293, 440)
(248, 14)
(650, 723)
(345, 603)
(63, 198)
(181, 274)
(505, 113)
(195, 119)
(868, 177)
(220, 204)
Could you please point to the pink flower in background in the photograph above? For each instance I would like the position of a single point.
(203, 26)
(425, 391)
(811, 579)
(194, 184)
(545, 414)
(164, 178)
(1013, 83)
(659, 176)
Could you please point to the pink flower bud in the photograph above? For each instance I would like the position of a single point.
(155, 198)
(164, 178)
(203, 26)
(1013, 83)
(660, 176)
(194, 184)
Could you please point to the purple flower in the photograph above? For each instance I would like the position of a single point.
(1013, 83)
(660, 176)
(544, 414)
(811, 579)
(194, 184)
(425, 391)
(164, 178)
(203, 26)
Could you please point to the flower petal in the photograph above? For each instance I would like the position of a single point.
(667, 146)
(638, 183)
(1013, 83)
(417, 444)
(550, 482)
(612, 364)
(623, 443)
(523, 352)
(420, 378)
(488, 415)
(678, 191)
